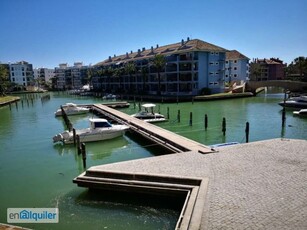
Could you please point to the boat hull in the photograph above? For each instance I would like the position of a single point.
(89, 135)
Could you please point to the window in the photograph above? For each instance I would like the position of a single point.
(24, 79)
(235, 75)
(216, 73)
(212, 53)
(216, 63)
(226, 75)
(235, 68)
(211, 63)
(13, 79)
(23, 73)
(235, 61)
(216, 53)
(211, 73)
(226, 62)
(13, 74)
(12, 68)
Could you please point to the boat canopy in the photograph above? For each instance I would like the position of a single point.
(148, 105)
(99, 123)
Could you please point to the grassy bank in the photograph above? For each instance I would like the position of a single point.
(8, 99)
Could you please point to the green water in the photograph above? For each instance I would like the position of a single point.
(36, 173)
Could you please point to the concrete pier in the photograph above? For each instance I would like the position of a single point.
(258, 185)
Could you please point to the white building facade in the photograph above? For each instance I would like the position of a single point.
(21, 73)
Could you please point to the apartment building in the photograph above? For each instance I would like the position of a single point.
(21, 73)
(70, 77)
(44, 74)
(190, 66)
(267, 69)
(236, 67)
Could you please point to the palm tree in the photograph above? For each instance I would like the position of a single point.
(130, 69)
(301, 64)
(159, 62)
(255, 71)
(144, 74)
(109, 73)
(117, 73)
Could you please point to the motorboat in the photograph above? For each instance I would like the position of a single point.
(99, 130)
(148, 114)
(72, 109)
(109, 97)
(295, 102)
(302, 112)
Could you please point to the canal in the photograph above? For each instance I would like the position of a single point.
(34, 172)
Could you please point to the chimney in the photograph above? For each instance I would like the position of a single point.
(114, 55)
(152, 49)
(157, 46)
(110, 59)
(143, 49)
(182, 42)
(127, 55)
(188, 39)
(139, 52)
(131, 52)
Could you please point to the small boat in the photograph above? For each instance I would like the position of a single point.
(109, 97)
(99, 130)
(72, 109)
(148, 114)
(295, 102)
(302, 112)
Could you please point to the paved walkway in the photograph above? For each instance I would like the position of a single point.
(259, 185)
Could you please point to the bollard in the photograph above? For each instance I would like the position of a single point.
(178, 116)
(224, 126)
(206, 121)
(191, 118)
(83, 155)
(78, 144)
(140, 106)
(167, 113)
(22, 103)
(74, 135)
(283, 117)
(16, 105)
(247, 132)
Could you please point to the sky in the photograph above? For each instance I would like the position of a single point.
(46, 33)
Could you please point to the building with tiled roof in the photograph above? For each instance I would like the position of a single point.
(236, 67)
(191, 65)
(267, 69)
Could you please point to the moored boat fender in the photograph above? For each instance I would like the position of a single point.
(61, 136)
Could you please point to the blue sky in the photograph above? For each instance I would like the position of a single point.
(48, 32)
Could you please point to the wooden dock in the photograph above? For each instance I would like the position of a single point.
(165, 138)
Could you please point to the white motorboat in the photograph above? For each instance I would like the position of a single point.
(72, 109)
(148, 114)
(100, 129)
(302, 112)
(295, 102)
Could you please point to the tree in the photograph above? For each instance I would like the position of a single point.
(130, 69)
(159, 62)
(144, 74)
(301, 64)
(255, 71)
(118, 74)
(4, 79)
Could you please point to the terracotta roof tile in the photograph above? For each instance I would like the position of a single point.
(191, 45)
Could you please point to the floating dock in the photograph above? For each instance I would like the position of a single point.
(165, 138)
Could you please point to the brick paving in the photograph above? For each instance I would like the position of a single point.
(259, 185)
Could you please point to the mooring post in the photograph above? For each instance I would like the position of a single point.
(178, 116)
(247, 132)
(167, 113)
(74, 135)
(83, 155)
(224, 126)
(283, 116)
(16, 105)
(140, 106)
(159, 107)
(191, 119)
(78, 144)
(206, 121)
(22, 103)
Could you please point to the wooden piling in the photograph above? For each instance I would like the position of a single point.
(247, 132)
(178, 116)
(191, 119)
(78, 144)
(224, 126)
(22, 103)
(74, 135)
(167, 113)
(283, 116)
(83, 155)
(206, 121)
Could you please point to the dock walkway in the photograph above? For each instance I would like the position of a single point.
(167, 139)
